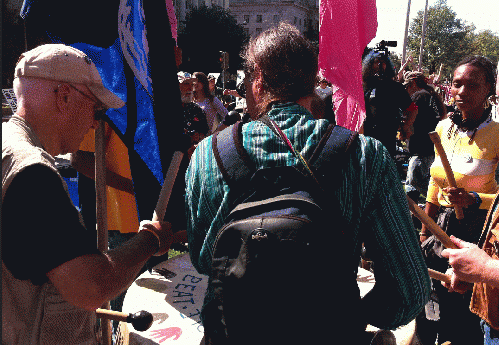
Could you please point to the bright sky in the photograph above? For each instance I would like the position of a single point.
(392, 15)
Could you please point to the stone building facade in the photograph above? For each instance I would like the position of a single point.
(257, 15)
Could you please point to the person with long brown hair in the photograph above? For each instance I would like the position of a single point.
(212, 106)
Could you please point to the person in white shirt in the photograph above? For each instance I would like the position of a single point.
(323, 90)
(212, 106)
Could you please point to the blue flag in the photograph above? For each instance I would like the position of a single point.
(125, 39)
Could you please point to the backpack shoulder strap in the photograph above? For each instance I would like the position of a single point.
(236, 166)
(232, 158)
(335, 141)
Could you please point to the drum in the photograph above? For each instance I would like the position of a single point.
(404, 335)
(173, 293)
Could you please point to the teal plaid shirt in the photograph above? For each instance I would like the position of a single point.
(371, 193)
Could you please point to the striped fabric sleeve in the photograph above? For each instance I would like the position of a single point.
(206, 205)
(402, 283)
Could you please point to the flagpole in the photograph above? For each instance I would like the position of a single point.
(166, 95)
(406, 31)
(101, 211)
(423, 34)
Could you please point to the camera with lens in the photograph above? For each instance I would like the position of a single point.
(382, 46)
(382, 54)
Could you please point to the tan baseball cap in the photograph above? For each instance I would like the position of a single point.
(414, 75)
(185, 77)
(67, 64)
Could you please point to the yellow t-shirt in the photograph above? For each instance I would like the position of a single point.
(474, 164)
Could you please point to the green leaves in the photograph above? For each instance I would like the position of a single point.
(449, 39)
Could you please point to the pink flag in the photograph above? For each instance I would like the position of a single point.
(346, 27)
(172, 18)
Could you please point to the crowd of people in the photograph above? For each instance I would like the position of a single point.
(53, 277)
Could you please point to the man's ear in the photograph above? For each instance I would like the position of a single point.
(257, 85)
(62, 96)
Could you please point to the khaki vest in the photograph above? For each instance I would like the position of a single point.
(33, 314)
(485, 299)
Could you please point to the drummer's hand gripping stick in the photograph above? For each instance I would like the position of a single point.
(448, 171)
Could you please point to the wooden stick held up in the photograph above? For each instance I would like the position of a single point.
(448, 171)
(430, 224)
(166, 190)
(439, 276)
(435, 230)
(101, 210)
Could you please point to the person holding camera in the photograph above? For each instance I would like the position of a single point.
(389, 107)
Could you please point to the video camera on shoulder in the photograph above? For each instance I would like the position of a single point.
(382, 47)
(381, 54)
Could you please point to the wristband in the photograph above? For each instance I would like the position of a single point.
(152, 230)
(478, 200)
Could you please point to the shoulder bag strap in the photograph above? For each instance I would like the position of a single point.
(336, 140)
(232, 159)
(236, 166)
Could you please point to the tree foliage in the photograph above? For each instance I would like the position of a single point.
(207, 31)
(448, 39)
(487, 44)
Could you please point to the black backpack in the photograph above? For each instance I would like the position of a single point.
(277, 260)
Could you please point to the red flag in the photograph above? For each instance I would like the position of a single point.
(346, 27)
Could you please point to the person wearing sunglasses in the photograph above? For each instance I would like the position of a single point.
(53, 275)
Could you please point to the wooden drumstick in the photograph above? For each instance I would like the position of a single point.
(141, 320)
(166, 190)
(439, 234)
(439, 276)
(448, 170)
(430, 224)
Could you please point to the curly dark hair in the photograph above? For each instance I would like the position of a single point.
(368, 62)
(287, 61)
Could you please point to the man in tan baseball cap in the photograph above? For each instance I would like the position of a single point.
(60, 94)
(66, 64)
(53, 276)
